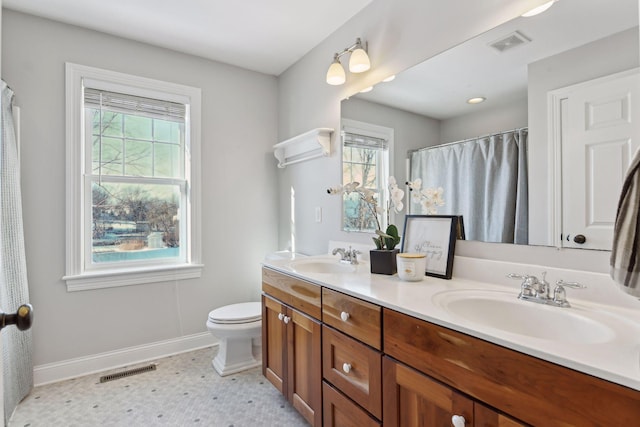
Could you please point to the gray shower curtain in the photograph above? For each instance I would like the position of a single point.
(484, 180)
(16, 345)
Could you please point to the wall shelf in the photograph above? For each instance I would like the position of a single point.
(309, 145)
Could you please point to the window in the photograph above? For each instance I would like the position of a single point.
(365, 159)
(132, 179)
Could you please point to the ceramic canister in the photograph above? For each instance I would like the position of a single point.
(411, 266)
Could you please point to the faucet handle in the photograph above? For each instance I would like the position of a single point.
(527, 285)
(560, 294)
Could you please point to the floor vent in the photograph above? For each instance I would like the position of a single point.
(128, 373)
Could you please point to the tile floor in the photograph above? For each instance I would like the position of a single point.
(184, 390)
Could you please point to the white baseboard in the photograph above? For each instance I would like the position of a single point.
(73, 368)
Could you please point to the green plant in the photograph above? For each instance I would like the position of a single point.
(387, 240)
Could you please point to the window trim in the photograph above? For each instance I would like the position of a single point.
(76, 277)
(374, 131)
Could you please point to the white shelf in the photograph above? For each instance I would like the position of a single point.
(309, 145)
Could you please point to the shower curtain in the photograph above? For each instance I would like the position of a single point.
(484, 180)
(16, 345)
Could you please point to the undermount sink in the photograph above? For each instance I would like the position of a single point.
(328, 266)
(503, 311)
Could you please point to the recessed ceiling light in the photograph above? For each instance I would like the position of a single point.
(367, 89)
(476, 100)
(390, 78)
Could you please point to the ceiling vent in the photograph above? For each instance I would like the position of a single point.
(509, 42)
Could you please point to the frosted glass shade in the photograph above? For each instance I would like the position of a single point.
(538, 10)
(335, 74)
(359, 61)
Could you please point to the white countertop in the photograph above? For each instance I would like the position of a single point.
(615, 358)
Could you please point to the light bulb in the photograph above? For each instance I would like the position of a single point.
(359, 61)
(335, 74)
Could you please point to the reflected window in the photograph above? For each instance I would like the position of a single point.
(365, 159)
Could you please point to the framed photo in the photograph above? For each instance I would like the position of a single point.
(434, 236)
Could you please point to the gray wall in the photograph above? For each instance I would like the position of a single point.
(239, 189)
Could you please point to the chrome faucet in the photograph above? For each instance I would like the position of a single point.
(538, 291)
(347, 256)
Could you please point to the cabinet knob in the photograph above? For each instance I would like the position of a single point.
(344, 316)
(280, 316)
(457, 421)
(286, 319)
(346, 368)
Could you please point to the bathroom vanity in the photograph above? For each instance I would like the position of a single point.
(353, 349)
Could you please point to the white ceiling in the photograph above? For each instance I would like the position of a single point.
(261, 35)
(440, 86)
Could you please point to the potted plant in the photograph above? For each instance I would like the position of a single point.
(383, 258)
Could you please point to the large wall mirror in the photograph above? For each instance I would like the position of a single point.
(514, 67)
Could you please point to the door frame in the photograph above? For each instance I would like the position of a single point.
(555, 102)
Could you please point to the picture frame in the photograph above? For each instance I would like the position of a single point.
(435, 236)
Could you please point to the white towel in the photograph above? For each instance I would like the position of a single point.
(625, 253)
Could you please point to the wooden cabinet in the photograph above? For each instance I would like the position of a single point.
(342, 361)
(413, 399)
(526, 388)
(339, 411)
(351, 358)
(355, 317)
(291, 343)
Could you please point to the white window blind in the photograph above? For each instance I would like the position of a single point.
(153, 108)
(364, 141)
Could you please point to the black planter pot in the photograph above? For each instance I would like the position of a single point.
(383, 261)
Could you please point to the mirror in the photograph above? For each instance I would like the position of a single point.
(514, 66)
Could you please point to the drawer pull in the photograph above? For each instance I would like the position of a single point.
(346, 368)
(457, 421)
(344, 316)
(286, 319)
(280, 316)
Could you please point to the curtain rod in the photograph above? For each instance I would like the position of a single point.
(409, 152)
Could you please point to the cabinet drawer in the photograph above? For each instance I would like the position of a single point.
(354, 317)
(338, 411)
(527, 388)
(301, 295)
(353, 368)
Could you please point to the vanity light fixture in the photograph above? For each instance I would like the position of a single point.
(391, 78)
(476, 100)
(358, 63)
(539, 9)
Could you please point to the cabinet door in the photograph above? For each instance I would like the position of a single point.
(414, 400)
(304, 367)
(342, 412)
(273, 342)
(487, 417)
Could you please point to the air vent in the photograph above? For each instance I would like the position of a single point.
(509, 42)
(127, 373)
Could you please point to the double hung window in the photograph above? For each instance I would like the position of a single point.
(132, 179)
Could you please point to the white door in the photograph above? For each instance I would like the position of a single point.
(600, 132)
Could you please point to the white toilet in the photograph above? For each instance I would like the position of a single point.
(238, 327)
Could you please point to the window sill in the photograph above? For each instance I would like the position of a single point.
(116, 278)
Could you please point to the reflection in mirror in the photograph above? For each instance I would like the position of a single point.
(514, 67)
(365, 160)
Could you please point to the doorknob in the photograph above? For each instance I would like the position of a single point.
(579, 239)
(21, 318)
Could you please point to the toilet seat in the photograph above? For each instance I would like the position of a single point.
(234, 314)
